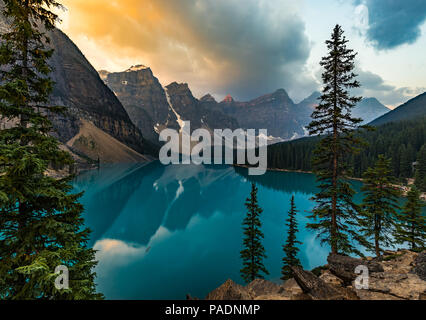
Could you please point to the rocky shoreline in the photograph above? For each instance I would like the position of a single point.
(399, 275)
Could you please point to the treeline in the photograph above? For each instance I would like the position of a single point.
(401, 142)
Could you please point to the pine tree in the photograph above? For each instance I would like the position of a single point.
(332, 119)
(41, 226)
(411, 227)
(405, 166)
(380, 205)
(290, 248)
(254, 252)
(421, 169)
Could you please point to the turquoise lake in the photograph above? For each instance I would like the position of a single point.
(165, 231)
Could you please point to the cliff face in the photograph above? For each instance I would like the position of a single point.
(144, 99)
(200, 115)
(79, 88)
(153, 108)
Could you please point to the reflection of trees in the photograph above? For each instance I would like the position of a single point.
(282, 181)
(291, 182)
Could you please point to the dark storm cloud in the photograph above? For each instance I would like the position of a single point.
(245, 48)
(263, 47)
(394, 22)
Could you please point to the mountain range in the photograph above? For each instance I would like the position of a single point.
(153, 107)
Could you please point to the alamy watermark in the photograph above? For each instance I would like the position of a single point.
(62, 280)
(361, 281)
(182, 147)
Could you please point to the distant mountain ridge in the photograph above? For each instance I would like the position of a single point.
(411, 110)
(367, 109)
(275, 112)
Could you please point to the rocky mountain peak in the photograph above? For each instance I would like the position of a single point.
(137, 68)
(369, 109)
(208, 98)
(228, 99)
(103, 74)
(311, 101)
(181, 89)
(314, 96)
(136, 75)
(279, 98)
(281, 92)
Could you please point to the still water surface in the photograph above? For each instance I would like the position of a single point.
(165, 231)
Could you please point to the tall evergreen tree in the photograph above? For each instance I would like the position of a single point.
(380, 205)
(332, 119)
(253, 252)
(290, 248)
(411, 226)
(41, 226)
(421, 169)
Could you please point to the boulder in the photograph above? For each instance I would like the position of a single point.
(291, 287)
(230, 291)
(402, 286)
(399, 276)
(260, 287)
(400, 262)
(420, 265)
(191, 298)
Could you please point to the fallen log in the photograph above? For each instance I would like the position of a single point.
(316, 288)
(344, 267)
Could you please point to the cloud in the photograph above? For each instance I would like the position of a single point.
(218, 46)
(393, 23)
(374, 86)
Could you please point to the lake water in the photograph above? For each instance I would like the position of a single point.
(165, 231)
